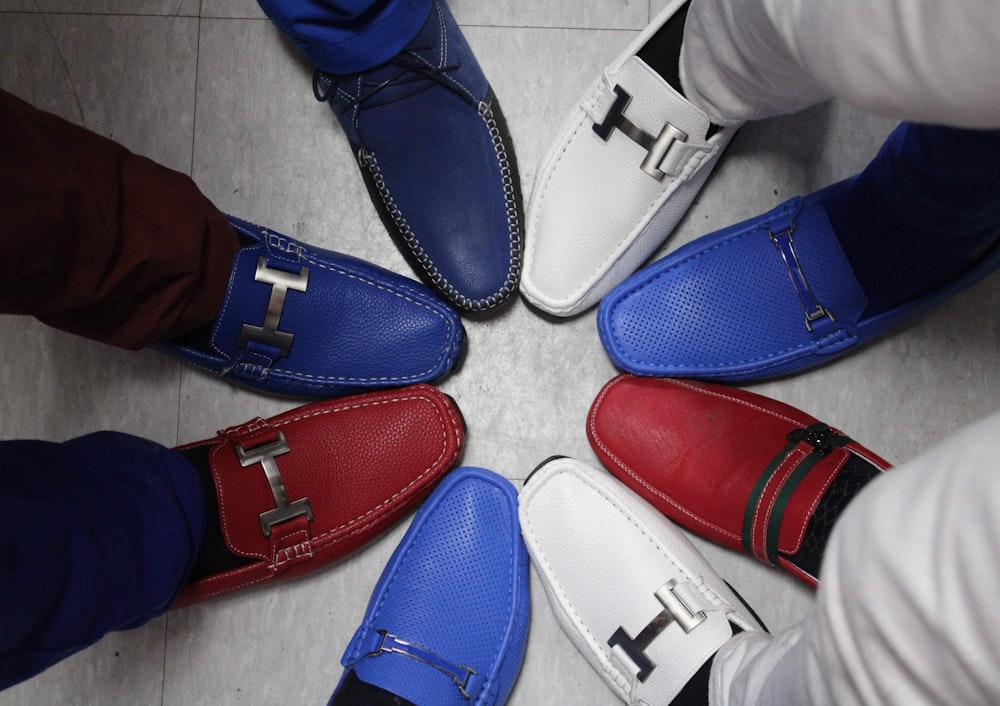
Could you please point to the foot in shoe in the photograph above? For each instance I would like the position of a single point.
(781, 292)
(438, 161)
(306, 322)
(288, 495)
(628, 163)
(637, 599)
(921, 214)
(447, 622)
(741, 470)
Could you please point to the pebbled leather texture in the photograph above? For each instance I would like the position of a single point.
(698, 452)
(595, 215)
(439, 163)
(456, 588)
(355, 326)
(724, 307)
(361, 461)
(602, 552)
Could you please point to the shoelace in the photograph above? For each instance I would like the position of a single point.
(412, 70)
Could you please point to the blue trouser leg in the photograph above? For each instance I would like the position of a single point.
(96, 534)
(941, 179)
(348, 36)
(920, 213)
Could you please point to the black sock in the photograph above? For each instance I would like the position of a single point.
(662, 53)
(855, 475)
(199, 338)
(215, 555)
(354, 692)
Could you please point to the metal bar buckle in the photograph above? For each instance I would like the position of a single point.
(280, 282)
(674, 610)
(265, 455)
(656, 147)
(812, 308)
(392, 644)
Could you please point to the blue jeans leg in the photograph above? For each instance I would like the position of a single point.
(96, 534)
(348, 36)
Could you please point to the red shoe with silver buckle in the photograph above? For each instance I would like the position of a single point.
(303, 489)
(739, 469)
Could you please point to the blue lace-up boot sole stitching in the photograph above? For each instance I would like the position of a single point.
(424, 260)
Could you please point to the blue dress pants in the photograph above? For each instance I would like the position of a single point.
(348, 36)
(943, 181)
(96, 534)
(924, 209)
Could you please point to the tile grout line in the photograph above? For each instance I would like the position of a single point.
(180, 371)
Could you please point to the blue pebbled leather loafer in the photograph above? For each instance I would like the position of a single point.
(767, 297)
(438, 161)
(305, 322)
(447, 623)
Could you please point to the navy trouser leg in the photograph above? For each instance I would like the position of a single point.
(96, 534)
(942, 179)
(348, 36)
(922, 211)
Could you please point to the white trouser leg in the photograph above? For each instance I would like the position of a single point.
(907, 608)
(933, 61)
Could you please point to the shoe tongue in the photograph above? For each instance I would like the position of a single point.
(655, 102)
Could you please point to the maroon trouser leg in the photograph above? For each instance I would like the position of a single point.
(102, 242)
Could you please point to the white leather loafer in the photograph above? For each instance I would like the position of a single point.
(631, 591)
(623, 171)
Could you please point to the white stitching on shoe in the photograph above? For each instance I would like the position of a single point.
(303, 254)
(625, 468)
(445, 428)
(513, 222)
(549, 576)
(694, 164)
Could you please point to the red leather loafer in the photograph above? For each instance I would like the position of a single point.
(302, 489)
(739, 469)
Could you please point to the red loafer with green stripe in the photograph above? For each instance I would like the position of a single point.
(739, 469)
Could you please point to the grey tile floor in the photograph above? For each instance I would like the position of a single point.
(210, 88)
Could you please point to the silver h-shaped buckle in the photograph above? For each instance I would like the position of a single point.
(656, 147)
(280, 282)
(810, 302)
(674, 610)
(459, 674)
(264, 455)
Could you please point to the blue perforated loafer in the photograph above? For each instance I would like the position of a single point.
(436, 156)
(448, 621)
(305, 322)
(770, 296)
